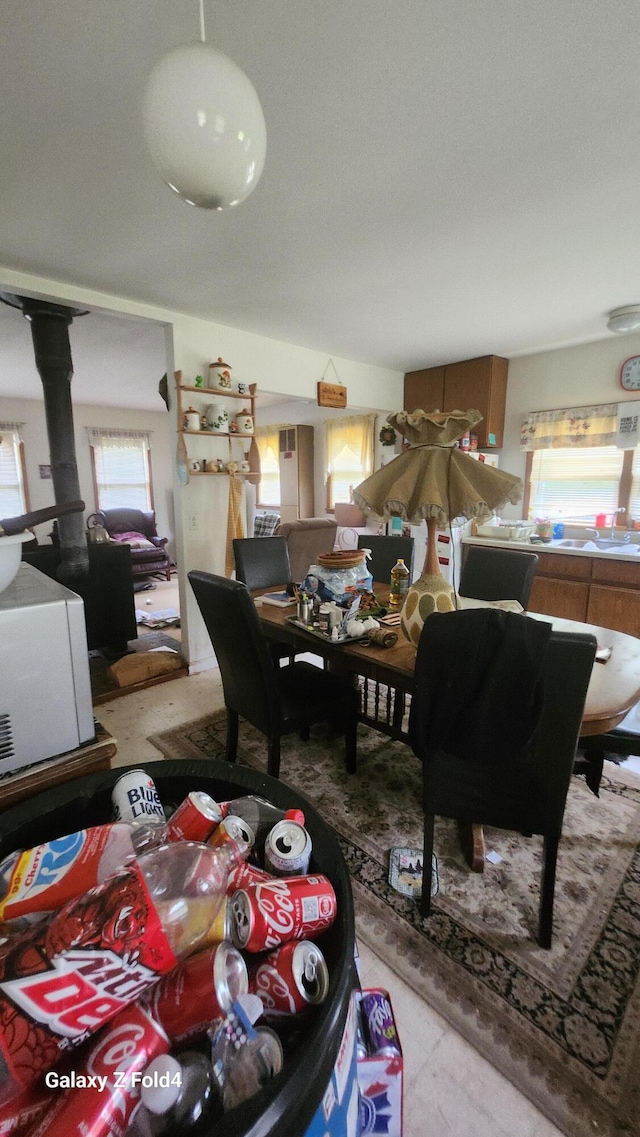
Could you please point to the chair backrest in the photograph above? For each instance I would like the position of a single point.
(385, 552)
(128, 520)
(246, 667)
(260, 562)
(525, 790)
(305, 540)
(497, 574)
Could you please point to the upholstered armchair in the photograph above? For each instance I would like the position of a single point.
(137, 528)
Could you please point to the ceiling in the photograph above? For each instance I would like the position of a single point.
(443, 180)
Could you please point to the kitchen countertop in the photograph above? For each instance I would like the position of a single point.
(556, 547)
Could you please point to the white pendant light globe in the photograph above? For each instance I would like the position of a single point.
(204, 127)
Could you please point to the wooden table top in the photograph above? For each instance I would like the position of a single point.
(614, 687)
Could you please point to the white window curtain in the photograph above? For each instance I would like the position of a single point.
(12, 488)
(350, 454)
(267, 439)
(121, 468)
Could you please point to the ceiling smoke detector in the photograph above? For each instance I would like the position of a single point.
(625, 319)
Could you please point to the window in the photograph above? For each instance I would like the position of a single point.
(13, 491)
(350, 449)
(268, 492)
(121, 468)
(577, 482)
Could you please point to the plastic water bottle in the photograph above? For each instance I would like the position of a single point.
(399, 585)
(557, 533)
(178, 1091)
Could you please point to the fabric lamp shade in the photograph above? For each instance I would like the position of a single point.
(434, 481)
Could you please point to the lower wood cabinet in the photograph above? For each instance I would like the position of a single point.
(556, 597)
(616, 608)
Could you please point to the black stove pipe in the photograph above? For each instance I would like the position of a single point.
(50, 334)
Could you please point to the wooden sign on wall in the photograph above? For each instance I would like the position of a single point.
(331, 395)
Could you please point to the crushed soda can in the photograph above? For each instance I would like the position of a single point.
(194, 819)
(198, 991)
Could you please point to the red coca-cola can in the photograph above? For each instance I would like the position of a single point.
(113, 1068)
(200, 990)
(272, 912)
(232, 829)
(291, 979)
(195, 819)
(243, 874)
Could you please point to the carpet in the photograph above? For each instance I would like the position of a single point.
(562, 1025)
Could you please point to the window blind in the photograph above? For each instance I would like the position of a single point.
(12, 489)
(576, 483)
(121, 468)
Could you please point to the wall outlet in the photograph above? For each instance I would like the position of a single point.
(193, 521)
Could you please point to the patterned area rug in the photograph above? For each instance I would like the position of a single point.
(563, 1025)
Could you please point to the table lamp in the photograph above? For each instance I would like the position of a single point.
(435, 481)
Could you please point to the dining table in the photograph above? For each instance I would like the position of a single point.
(386, 676)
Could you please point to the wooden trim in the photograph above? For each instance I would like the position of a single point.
(526, 497)
(92, 455)
(624, 486)
(23, 474)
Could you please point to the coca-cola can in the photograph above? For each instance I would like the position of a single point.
(243, 874)
(198, 991)
(136, 799)
(232, 829)
(195, 819)
(272, 912)
(290, 979)
(287, 849)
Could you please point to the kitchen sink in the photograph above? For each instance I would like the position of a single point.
(601, 544)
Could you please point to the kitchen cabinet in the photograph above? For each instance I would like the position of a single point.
(295, 447)
(478, 383)
(616, 608)
(554, 597)
(218, 446)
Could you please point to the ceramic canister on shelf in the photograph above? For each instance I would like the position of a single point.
(244, 420)
(191, 419)
(220, 375)
(217, 418)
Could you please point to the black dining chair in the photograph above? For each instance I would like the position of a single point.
(501, 759)
(497, 574)
(385, 552)
(264, 563)
(275, 700)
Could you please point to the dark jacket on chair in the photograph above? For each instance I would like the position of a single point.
(479, 676)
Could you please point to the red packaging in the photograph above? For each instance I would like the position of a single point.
(121, 1051)
(243, 874)
(200, 990)
(195, 819)
(291, 979)
(18, 1115)
(47, 876)
(62, 981)
(272, 912)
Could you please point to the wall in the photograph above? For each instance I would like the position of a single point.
(570, 377)
(275, 366)
(36, 445)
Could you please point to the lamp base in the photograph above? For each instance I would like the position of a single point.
(430, 593)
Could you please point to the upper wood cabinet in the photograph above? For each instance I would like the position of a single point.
(480, 384)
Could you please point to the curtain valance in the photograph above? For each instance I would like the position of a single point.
(103, 436)
(570, 426)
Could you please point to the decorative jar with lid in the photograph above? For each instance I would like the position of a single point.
(244, 419)
(191, 419)
(217, 418)
(220, 375)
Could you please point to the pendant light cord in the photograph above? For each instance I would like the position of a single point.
(202, 32)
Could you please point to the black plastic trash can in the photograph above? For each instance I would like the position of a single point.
(286, 1106)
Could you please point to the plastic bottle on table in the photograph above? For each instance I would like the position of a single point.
(109, 945)
(399, 585)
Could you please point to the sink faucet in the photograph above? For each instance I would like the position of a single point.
(612, 535)
(594, 533)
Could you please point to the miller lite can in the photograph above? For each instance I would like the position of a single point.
(287, 849)
(136, 800)
(291, 979)
(195, 819)
(201, 989)
(272, 912)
